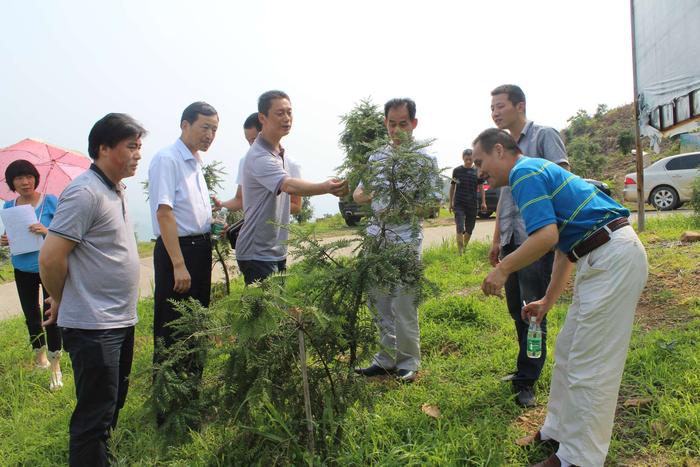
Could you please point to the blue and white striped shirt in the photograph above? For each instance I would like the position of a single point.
(547, 194)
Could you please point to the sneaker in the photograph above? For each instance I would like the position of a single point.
(374, 370)
(407, 376)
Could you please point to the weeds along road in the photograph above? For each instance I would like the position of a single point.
(483, 231)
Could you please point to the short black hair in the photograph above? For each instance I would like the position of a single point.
(493, 136)
(400, 102)
(515, 94)
(195, 109)
(467, 152)
(111, 130)
(17, 169)
(252, 122)
(266, 98)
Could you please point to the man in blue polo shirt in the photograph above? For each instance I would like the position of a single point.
(591, 231)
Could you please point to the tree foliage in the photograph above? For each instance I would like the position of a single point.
(307, 211)
(255, 370)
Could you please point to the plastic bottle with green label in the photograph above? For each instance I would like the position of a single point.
(534, 339)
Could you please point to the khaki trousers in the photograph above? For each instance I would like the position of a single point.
(592, 347)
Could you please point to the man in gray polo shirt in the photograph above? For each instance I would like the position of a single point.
(90, 265)
(395, 311)
(530, 283)
(267, 184)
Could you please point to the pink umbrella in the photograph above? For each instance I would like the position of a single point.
(56, 166)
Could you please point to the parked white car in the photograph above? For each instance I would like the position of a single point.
(666, 181)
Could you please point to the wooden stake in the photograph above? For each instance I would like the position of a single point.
(307, 394)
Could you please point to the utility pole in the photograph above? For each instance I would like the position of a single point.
(637, 137)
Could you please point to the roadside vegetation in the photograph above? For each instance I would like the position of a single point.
(457, 413)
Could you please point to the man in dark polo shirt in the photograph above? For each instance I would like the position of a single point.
(90, 265)
(588, 229)
(267, 186)
(181, 217)
(466, 190)
(530, 283)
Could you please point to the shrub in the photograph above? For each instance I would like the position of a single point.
(695, 195)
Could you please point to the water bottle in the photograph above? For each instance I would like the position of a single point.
(534, 339)
(218, 221)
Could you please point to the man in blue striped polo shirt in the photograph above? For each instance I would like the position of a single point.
(589, 230)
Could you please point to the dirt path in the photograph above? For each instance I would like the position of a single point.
(483, 231)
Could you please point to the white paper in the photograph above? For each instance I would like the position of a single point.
(17, 221)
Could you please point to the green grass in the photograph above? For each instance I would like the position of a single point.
(7, 272)
(145, 249)
(467, 344)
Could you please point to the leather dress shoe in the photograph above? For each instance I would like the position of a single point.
(535, 439)
(526, 396)
(551, 461)
(373, 370)
(407, 376)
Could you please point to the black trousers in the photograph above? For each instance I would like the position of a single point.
(28, 284)
(101, 366)
(254, 270)
(528, 284)
(197, 254)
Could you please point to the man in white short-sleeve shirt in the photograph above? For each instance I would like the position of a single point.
(181, 216)
(260, 249)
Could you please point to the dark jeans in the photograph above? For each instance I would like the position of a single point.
(28, 284)
(254, 270)
(528, 284)
(197, 254)
(101, 366)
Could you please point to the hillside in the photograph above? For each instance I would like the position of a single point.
(599, 146)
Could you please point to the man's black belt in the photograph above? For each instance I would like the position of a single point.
(598, 238)
(193, 238)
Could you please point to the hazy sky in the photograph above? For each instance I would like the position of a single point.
(67, 63)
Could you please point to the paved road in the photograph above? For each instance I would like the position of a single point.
(483, 231)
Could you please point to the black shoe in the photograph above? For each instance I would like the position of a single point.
(526, 396)
(407, 376)
(373, 370)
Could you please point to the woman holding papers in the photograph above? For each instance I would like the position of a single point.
(23, 178)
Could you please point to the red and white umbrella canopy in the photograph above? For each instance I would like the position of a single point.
(56, 166)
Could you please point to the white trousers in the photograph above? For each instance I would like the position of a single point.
(592, 347)
(396, 316)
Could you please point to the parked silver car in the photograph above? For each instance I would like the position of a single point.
(666, 181)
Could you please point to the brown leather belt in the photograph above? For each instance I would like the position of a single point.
(596, 239)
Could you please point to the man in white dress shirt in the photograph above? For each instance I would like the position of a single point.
(181, 216)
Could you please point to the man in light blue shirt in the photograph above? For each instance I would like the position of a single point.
(181, 215)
